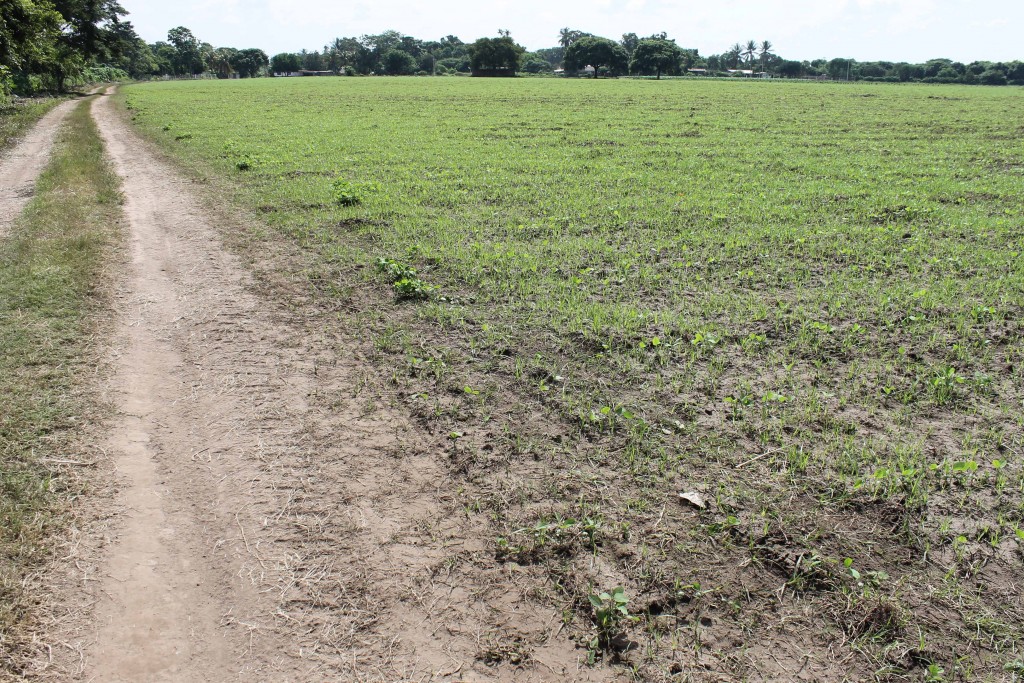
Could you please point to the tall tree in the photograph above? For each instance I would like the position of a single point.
(629, 42)
(568, 36)
(749, 51)
(188, 58)
(249, 63)
(657, 56)
(220, 61)
(766, 51)
(733, 55)
(28, 34)
(596, 52)
(285, 63)
(397, 62)
(501, 54)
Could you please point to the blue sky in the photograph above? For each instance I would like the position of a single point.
(898, 30)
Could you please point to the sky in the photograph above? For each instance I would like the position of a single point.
(867, 30)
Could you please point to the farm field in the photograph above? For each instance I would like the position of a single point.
(800, 305)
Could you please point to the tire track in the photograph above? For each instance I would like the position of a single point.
(22, 165)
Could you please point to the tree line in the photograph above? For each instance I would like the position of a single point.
(394, 53)
(49, 44)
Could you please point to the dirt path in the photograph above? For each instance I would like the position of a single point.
(284, 523)
(21, 166)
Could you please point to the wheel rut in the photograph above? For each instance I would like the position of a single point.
(22, 165)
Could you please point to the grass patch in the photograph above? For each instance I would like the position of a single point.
(802, 302)
(52, 266)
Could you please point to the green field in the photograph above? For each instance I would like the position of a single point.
(801, 300)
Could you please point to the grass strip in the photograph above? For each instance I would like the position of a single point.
(52, 268)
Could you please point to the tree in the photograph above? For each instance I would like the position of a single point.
(127, 51)
(654, 55)
(495, 54)
(398, 62)
(733, 55)
(221, 61)
(749, 51)
(285, 63)
(568, 36)
(840, 69)
(533, 64)
(596, 52)
(790, 68)
(28, 35)
(249, 62)
(766, 51)
(188, 58)
(312, 61)
(992, 76)
(85, 24)
(553, 55)
(629, 42)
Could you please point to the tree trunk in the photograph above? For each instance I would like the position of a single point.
(659, 75)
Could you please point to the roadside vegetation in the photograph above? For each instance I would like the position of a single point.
(731, 371)
(53, 266)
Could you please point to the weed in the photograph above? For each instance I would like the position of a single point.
(610, 612)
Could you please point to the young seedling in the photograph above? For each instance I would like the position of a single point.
(609, 613)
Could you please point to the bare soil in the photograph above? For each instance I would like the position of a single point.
(276, 518)
(21, 166)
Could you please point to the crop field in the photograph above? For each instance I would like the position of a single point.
(751, 351)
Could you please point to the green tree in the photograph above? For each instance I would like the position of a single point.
(29, 32)
(534, 64)
(249, 63)
(398, 62)
(127, 51)
(629, 42)
(840, 69)
(188, 58)
(992, 76)
(220, 61)
(596, 52)
(749, 51)
(500, 53)
(765, 51)
(657, 56)
(285, 62)
(733, 54)
(790, 68)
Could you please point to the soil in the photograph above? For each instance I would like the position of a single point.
(275, 519)
(21, 166)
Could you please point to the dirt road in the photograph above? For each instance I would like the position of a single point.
(283, 523)
(20, 168)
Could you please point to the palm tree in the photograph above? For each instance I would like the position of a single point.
(750, 51)
(766, 48)
(565, 37)
(734, 54)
